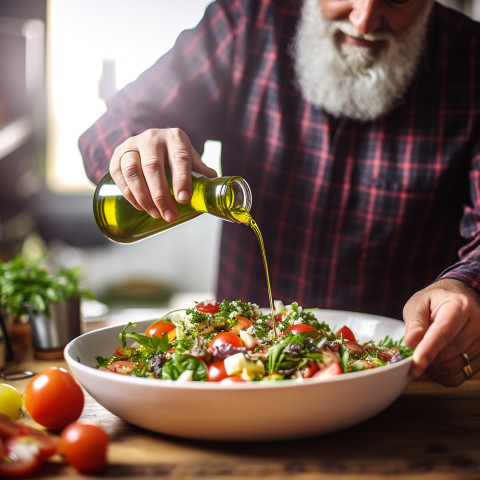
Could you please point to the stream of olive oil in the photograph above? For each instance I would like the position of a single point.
(243, 216)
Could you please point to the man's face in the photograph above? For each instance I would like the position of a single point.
(356, 58)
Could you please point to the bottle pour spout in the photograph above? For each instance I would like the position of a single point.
(236, 200)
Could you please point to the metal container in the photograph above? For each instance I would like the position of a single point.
(54, 329)
(6, 350)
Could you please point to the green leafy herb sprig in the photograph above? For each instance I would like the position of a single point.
(27, 283)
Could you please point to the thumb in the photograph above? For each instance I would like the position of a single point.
(416, 315)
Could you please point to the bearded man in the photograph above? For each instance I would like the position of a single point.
(356, 124)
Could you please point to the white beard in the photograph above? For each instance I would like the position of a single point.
(348, 80)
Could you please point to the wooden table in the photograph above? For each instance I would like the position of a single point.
(430, 433)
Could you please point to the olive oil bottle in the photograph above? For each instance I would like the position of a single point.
(121, 222)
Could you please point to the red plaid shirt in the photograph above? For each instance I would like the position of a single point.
(354, 216)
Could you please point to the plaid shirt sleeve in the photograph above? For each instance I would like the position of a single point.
(355, 216)
(467, 268)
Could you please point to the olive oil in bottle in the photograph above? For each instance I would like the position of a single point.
(120, 221)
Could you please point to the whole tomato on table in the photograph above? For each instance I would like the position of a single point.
(85, 446)
(54, 399)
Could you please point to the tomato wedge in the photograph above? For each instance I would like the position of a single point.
(23, 448)
(310, 369)
(123, 367)
(227, 338)
(346, 333)
(302, 328)
(119, 352)
(40, 444)
(234, 379)
(158, 328)
(242, 324)
(208, 306)
(16, 467)
(24, 454)
(216, 371)
(329, 371)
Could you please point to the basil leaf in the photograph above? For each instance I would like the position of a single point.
(179, 362)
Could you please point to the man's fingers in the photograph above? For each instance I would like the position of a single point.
(179, 153)
(454, 369)
(118, 176)
(446, 318)
(139, 167)
(153, 160)
(417, 322)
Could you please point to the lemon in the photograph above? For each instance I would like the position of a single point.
(11, 401)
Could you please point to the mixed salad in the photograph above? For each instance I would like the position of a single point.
(237, 342)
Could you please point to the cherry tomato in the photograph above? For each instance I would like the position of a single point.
(302, 328)
(242, 324)
(85, 446)
(53, 398)
(309, 370)
(40, 445)
(123, 367)
(346, 333)
(223, 338)
(329, 371)
(13, 465)
(208, 306)
(158, 328)
(233, 379)
(23, 449)
(216, 371)
(119, 352)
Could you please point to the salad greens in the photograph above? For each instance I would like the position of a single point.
(236, 341)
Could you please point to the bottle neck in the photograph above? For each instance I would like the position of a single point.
(233, 198)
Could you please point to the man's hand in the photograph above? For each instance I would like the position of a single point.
(443, 323)
(138, 168)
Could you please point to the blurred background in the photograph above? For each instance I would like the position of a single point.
(59, 61)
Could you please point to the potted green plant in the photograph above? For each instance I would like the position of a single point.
(51, 302)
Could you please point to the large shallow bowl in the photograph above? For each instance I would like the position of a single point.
(254, 411)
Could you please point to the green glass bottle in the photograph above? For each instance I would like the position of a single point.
(226, 197)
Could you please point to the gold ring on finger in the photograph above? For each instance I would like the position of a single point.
(467, 369)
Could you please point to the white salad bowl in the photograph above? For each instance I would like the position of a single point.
(252, 411)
